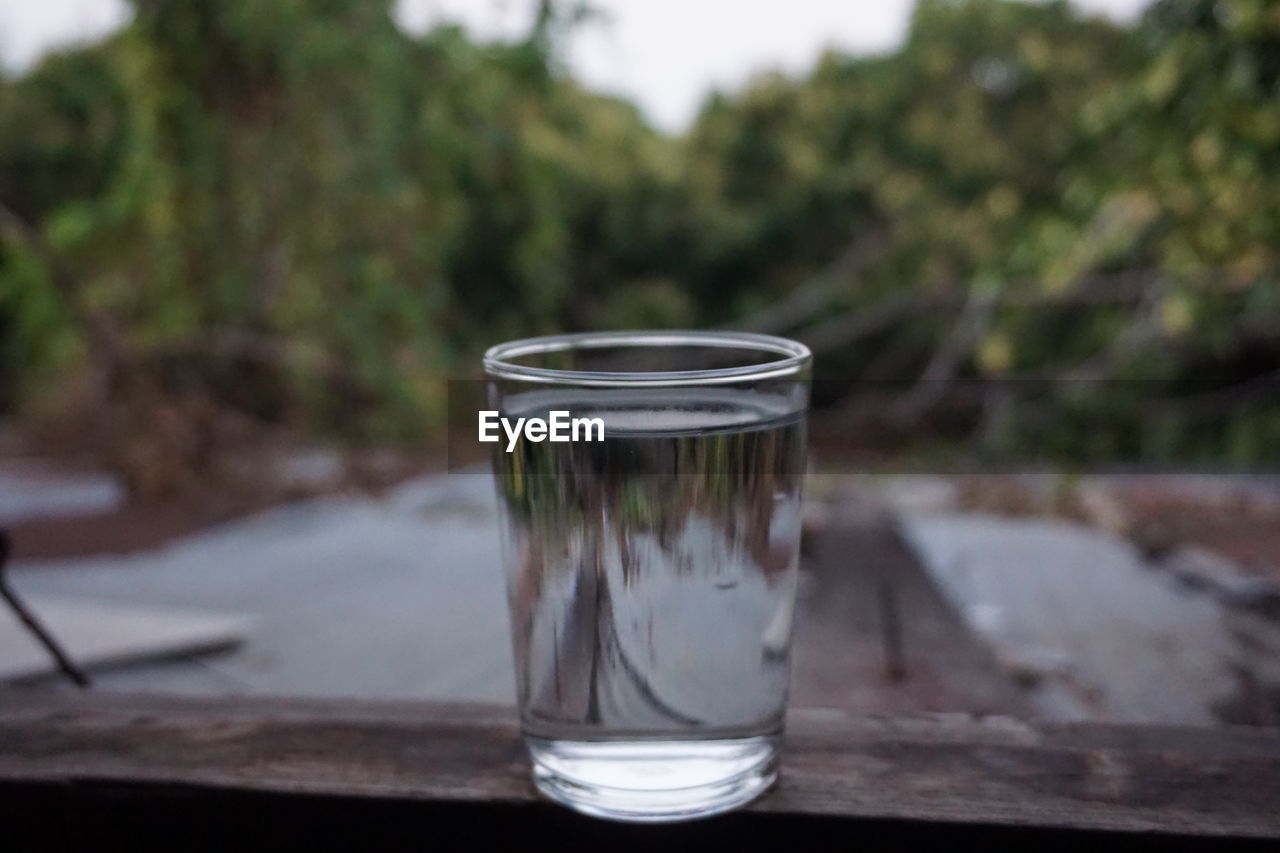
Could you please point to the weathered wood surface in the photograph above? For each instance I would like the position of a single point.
(874, 634)
(941, 769)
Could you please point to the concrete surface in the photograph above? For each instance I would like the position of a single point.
(1078, 613)
(96, 634)
(32, 487)
(402, 597)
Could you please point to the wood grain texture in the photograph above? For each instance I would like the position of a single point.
(952, 769)
(858, 563)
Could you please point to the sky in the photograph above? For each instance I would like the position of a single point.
(665, 55)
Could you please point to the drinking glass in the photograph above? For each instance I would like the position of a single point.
(651, 574)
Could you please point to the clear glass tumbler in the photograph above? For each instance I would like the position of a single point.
(652, 573)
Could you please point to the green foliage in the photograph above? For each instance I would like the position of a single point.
(357, 212)
(1022, 151)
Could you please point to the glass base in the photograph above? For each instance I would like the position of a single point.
(654, 781)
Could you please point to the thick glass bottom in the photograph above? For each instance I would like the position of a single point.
(654, 780)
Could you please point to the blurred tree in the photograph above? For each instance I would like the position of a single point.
(295, 214)
(298, 213)
(1044, 195)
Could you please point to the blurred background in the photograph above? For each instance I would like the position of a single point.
(244, 246)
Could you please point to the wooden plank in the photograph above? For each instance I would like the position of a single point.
(951, 769)
(874, 634)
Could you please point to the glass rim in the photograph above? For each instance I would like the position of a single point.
(793, 358)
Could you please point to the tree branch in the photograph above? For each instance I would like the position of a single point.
(969, 327)
(803, 302)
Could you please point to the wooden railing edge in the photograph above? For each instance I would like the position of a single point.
(956, 769)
